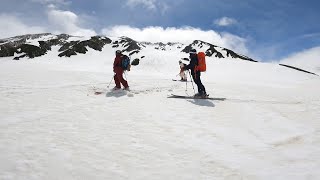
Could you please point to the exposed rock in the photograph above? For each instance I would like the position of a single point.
(68, 46)
(67, 53)
(19, 45)
(212, 51)
(135, 62)
(133, 52)
(45, 45)
(10, 46)
(235, 55)
(298, 69)
(98, 42)
(7, 50)
(31, 50)
(130, 44)
(209, 52)
(17, 58)
(74, 47)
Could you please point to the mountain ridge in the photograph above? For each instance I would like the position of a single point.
(35, 45)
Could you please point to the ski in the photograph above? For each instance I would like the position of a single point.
(192, 97)
(98, 92)
(179, 80)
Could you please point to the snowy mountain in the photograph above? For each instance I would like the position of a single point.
(63, 45)
(39, 44)
(53, 126)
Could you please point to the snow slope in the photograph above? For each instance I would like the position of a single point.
(52, 126)
(308, 60)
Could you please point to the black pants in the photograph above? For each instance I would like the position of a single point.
(197, 80)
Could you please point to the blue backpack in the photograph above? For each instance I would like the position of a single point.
(125, 63)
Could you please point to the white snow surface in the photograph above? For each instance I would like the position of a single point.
(308, 60)
(52, 126)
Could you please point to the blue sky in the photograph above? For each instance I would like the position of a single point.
(265, 30)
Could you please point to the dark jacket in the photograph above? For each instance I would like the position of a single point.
(193, 63)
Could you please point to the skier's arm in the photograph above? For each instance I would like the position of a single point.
(190, 65)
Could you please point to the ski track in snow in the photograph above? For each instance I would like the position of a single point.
(54, 127)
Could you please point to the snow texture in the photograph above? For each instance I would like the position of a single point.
(52, 126)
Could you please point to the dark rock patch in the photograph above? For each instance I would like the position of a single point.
(298, 69)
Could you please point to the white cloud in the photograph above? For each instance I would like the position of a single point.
(183, 35)
(308, 60)
(149, 4)
(67, 22)
(225, 21)
(58, 22)
(153, 5)
(12, 26)
(62, 2)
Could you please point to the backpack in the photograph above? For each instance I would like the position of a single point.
(125, 63)
(202, 67)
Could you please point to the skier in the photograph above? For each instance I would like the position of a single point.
(118, 70)
(195, 73)
(182, 71)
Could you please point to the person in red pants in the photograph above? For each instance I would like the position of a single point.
(117, 69)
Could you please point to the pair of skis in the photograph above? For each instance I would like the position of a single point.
(196, 97)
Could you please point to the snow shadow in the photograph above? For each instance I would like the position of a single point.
(116, 94)
(202, 102)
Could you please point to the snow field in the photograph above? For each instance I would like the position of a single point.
(54, 127)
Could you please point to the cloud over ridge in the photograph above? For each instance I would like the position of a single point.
(173, 34)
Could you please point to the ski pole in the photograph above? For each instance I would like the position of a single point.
(186, 87)
(192, 83)
(110, 81)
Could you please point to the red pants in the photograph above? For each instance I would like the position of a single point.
(118, 78)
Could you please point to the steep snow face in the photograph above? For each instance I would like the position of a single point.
(54, 127)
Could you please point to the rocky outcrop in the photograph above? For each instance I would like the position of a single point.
(35, 45)
(129, 45)
(212, 51)
(74, 47)
(235, 55)
(7, 50)
(18, 45)
(200, 44)
(298, 69)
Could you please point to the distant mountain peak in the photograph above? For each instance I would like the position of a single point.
(34, 45)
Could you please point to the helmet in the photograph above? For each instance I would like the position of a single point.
(193, 51)
(118, 52)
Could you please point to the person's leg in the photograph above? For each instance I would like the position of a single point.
(197, 80)
(122, 80)
(202, 89)
(116, 81)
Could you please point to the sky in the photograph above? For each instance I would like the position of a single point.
(264, 30)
